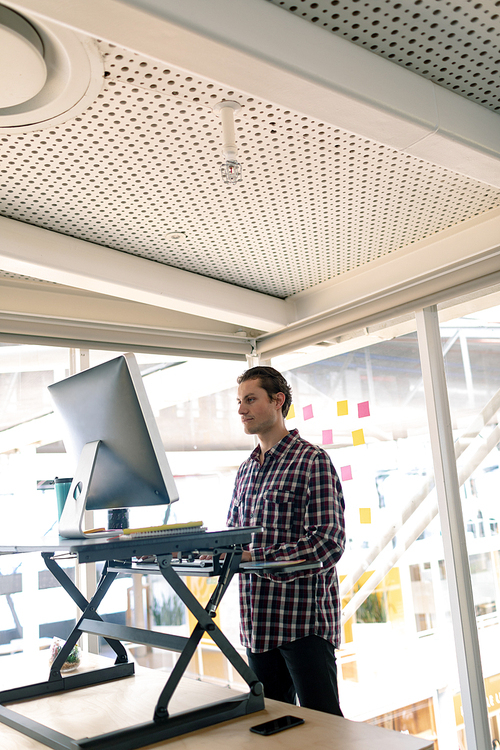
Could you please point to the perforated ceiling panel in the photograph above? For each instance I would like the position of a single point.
(455, 44)
(142, 164)
(8, 275)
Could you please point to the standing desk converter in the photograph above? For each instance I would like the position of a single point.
(117, 554)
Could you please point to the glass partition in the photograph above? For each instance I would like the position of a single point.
(191, 401)
(472, 364)
(28, 435)
(366, 407)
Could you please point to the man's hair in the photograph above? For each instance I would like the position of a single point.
(272, 382)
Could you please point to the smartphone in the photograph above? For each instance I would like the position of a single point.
(277, 725)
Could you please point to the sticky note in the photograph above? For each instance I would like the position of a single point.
(308, 411)
(358, 437)
(345, 473)
(342, 409)
(363, 409)
(291, 412)
(365, 515)
(327, 437)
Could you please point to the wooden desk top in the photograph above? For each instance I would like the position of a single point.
(114, 705)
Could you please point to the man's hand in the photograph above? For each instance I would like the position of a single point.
(245, 557)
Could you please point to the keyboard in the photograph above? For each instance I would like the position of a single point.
(194, 567)
(204, 568)
(166, 529)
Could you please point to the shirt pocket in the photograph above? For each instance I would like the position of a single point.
(277, 510)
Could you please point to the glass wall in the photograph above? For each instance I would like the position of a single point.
(192, 406)
(472, 365)
(27, 500)
(365, 407)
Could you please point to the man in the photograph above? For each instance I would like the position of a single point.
(290, 622)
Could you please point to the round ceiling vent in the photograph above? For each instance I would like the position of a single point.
(48, 74)
(21, 60)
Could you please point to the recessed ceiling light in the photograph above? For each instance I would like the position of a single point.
(176, 236)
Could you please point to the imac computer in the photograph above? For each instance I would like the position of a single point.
(112, 433)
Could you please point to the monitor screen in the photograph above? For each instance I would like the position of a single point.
(108, 403)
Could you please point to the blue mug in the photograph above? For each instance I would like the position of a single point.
(62, 488)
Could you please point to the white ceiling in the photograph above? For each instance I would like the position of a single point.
(456, 45)
(370, 145)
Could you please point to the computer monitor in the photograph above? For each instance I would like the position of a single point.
(112, 433)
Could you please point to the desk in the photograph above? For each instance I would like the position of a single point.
(226, 548)
(114, 705)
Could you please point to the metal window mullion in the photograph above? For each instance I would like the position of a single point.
(453, 532)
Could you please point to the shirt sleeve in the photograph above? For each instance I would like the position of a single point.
(232, 515)
(323, 535)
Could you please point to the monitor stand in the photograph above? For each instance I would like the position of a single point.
(71, 523)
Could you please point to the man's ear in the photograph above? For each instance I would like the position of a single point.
(279, 399)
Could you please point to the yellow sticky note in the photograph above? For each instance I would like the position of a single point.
(358, 437)
(342, 409)
(365, 515)
(291, 412)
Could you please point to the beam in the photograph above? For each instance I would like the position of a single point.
(458, 261)
(42, 299)
(29, 330)
(259, 48)
(35, 311)
(40, 253)
(460, 247)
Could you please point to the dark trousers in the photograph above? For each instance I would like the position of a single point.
(305, 668)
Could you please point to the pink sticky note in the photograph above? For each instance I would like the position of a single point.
(364, 409)
(345, 473)
(327, 437)
(308, 411)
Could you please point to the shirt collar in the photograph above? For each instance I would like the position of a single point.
(280, 448)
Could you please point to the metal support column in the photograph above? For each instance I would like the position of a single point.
(464, 348)
(85, 575)
(253, 359)
(452, 528)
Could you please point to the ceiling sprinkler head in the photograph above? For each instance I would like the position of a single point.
(231, 171)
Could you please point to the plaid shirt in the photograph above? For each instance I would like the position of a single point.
(296, 496)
